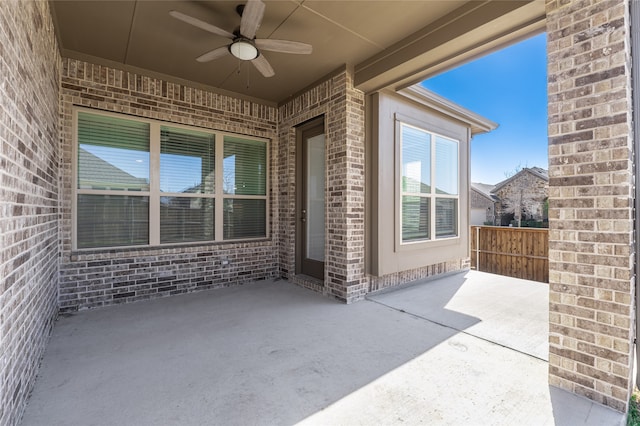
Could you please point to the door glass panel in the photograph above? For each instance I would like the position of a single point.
(315, 178)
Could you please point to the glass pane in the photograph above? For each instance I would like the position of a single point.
(185, 219)
(244, 219)
(446, 217)
(415, 218)
(315, 226)
(113, 153)
(244, 167)
(187, 159)
(416, 161)
(446, 166)
(112, 220)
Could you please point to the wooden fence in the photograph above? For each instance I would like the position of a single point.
(514, 252)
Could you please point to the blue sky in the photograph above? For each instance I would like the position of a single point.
(508, 87)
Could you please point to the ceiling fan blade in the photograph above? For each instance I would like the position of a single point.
(201, 24)
(214, 54)
(251, 18)
(284, 46)
(263, 66)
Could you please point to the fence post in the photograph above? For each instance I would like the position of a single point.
(477, 248)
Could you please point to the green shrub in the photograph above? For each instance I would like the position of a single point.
(633, 416)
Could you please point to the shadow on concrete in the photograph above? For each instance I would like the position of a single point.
(263, 353)
(570, 409)
(271, 353)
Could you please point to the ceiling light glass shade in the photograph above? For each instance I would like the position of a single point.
(244, 50)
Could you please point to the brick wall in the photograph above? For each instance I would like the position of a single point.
(29, 75)
(403, 277)
(590, 199)
(105, 277)
(343, 109)
(92, 279)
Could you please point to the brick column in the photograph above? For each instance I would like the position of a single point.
(343, 109)
(345, 275)
(590, 199)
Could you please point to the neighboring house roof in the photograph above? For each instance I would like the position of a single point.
(97, 173)
(536, 171)
(540, 172)
(484, 189)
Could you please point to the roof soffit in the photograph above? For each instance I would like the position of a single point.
(370, 36)
(475, 29)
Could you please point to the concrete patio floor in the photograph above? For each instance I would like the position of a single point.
(465, 349)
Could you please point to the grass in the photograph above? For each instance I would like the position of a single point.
(633, 417)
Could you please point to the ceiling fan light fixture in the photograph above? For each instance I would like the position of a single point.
(244, 44)
(243, 50)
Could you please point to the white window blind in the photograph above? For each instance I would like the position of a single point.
(446, 166)
(187, 161)
(187, 183)
(446, 184)
(244, 218)
(416, 218)
(429, 185)
(416, 161)
(446, 217)
(112, 182)
(245, 183)
(186, 219)
(112, 220)
(113, 153)
(141, 182)
(245, 165)
(416, 184)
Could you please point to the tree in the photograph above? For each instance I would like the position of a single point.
(517, 169)
(521, 195)
(521, 201)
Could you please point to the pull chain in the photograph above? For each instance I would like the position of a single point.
(248, 72)
(240, 65)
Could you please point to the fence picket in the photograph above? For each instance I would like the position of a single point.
(514, 252)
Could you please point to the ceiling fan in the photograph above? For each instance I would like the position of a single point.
(244, 45)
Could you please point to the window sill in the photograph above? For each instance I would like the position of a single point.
(422, 245)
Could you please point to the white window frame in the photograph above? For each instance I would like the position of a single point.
(433, 195)
(154, 193)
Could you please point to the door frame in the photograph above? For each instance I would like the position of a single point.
(308, 129)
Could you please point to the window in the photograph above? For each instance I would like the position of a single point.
(187, 184)
(428, 185)
(245, 186)
(140, 182)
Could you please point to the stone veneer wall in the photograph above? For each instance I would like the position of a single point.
(591, 255)
(29, 89)
(104, 277)
(534, 190)
(343, 109)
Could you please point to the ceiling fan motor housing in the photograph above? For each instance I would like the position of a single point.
(244, 49)
(244, 45)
